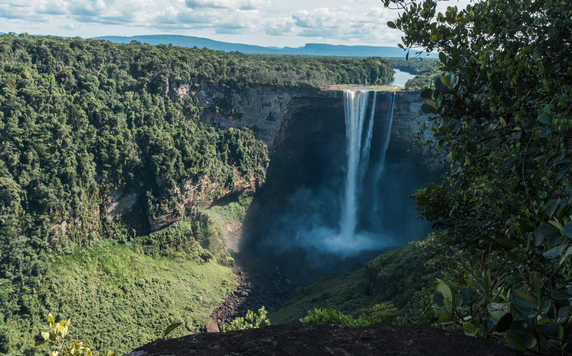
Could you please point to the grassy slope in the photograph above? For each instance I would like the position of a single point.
(119, 298)
(347, 293)
(399, 276)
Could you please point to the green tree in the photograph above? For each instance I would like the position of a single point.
(502, 112)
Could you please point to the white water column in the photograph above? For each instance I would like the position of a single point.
(355, 105)
(358, 152)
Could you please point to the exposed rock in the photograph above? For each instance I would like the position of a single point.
(119, 203)
(304, 339)
(263, 108)
(212, 326)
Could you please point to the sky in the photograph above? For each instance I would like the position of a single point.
(262, 22)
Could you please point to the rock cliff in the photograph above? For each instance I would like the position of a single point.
(270, 112)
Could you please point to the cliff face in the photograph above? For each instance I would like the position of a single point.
(284, 119)
(268, 111)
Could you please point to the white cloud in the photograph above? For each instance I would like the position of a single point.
(275, 22)
(228, 4)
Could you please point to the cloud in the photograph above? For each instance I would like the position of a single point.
(346, 21)
(228, 4)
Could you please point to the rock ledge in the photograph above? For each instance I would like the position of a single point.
(304, 339)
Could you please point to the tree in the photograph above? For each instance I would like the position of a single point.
(502, 112)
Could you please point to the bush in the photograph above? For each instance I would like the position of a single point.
(252, 320)
(332, 317)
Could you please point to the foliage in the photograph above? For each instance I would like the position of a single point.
(56, 339)
(399, 280)
(414, 65)
(422, 81)
(331, 317)
(381, 313)
(502, 111)
(251, 320)
(119, 297)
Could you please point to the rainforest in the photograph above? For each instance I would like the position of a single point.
(151, 191)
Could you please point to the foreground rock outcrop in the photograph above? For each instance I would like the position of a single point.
(304, 339)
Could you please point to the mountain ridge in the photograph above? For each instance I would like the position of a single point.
(309, 49)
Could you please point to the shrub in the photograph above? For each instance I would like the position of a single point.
(252, 320)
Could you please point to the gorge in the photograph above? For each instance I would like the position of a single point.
(336, 191)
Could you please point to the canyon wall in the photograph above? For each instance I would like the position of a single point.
(285, 119)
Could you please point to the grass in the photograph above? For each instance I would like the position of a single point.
(120, 299)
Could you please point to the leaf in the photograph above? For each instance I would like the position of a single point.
(471, 329)
(438, 299)
(504, 323)
(45, 335)
(427, 94)
(555, 252)
(427, 109)
(543, 233)
(521, 339)
(567, 231)
(564, 314)
(391, 24)
(170, 328)
(443, 57)
(524, 302)
(551, 206)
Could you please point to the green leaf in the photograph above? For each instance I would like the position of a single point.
(170, 328)
(567, 231)
(391, 24)
(428, 109)
(555, 252)
(524, 301)
(443, 57)
(544, 233)
(521, 339)
(564, 314)
(471, 329)
(427, 94)
(444, 289)
(551, 206)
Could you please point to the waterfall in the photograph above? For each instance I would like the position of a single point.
(355, 105)
(367, 147)
(358, 152)
(386, 140)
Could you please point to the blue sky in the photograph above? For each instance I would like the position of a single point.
(263, 22)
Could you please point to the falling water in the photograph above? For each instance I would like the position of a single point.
(387, 139)
(355, 105)
(358, 151)
(367, 147)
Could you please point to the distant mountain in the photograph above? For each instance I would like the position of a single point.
(311, 49)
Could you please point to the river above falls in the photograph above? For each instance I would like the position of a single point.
(400, 78)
